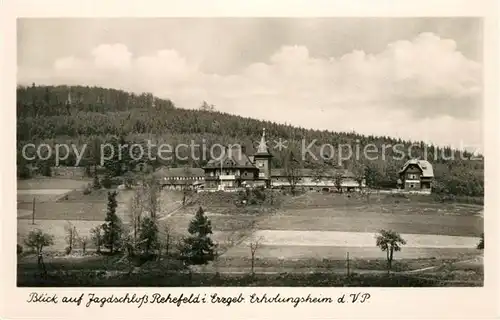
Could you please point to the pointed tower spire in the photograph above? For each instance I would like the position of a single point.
(68, 100)
(262, 149)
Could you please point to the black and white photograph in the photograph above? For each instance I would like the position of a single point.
(250, 152)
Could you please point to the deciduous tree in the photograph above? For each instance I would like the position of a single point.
(480, 245)
(389, 241)
(338, 178)
(254, 246)
(37, 240)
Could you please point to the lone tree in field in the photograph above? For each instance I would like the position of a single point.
(112, 226)
(254, 246)
(198, 248)
(389, 241)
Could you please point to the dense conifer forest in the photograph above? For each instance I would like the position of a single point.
(91, 115)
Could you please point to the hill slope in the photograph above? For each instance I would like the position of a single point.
(92, 115)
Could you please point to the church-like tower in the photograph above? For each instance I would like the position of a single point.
(262, 160)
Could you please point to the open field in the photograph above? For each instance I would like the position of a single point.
(464, 259)
(54, 211)
(273, 252)
(354, 239)
(55, 228)
(86, 207)
(380, 203)
(83, 211)
(47, 189)
(52, 183)
(46, 195)
(309, 232)
(338, 219)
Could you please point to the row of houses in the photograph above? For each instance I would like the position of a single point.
(195, 178)
(235, 170)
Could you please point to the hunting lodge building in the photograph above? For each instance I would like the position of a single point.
(236, 170)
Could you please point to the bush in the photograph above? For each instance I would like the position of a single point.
(257, 196)
(23, 172)
(459, 199)
(95, 183)
(106, 182)
(19, 249)
(37, 240)
(46, 169)
(399, 195)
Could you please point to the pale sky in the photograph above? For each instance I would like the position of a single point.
(418, 79)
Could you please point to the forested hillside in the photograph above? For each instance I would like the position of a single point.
(96, 115)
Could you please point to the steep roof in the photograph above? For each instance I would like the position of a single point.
(232, 158)
(166, 172)
(262, 149)
(424, 165)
